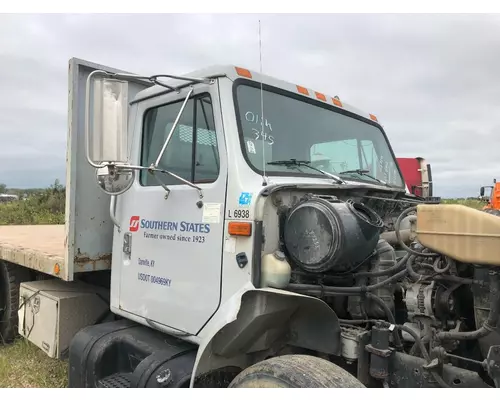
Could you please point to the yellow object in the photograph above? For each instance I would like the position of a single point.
(460, 232)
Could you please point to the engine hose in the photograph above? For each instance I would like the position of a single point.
(425, 339)
(490, 324)
(342, 290)
(450, 278)
(355, 321)
(458, 279)
(400, 240)
(438, 270)
(411, 272)
(426, 265)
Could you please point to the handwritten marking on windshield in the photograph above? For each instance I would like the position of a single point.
(260, 135)
(256, 119)
(264, 136)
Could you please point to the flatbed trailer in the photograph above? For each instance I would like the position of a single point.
(38, 247)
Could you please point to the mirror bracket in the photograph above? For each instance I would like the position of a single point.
(165, 187)
(116, 176)
(112, 213)
(152, 170)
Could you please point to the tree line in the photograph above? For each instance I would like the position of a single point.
(35, 206)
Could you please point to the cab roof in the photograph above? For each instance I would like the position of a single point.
(233, 72)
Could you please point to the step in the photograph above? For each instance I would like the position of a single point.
(118, 380)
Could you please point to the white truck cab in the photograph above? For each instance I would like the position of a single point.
(182, 247)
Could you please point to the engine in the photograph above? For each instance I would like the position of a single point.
(436, 282)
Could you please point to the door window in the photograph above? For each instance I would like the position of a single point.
(192, 152)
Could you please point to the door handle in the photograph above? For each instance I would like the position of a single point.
(127, 244)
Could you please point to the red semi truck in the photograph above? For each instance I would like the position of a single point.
(417, 175)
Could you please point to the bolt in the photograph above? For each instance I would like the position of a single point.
(164, 377)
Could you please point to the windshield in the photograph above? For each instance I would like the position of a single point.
(328, 140)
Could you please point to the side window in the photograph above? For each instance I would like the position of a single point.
(379, 166)
(192, 152)
(368, 156)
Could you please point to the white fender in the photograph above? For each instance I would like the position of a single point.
(252, 319)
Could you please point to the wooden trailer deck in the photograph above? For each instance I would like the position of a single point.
(39, 247)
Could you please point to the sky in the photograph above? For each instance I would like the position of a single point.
(433, 81)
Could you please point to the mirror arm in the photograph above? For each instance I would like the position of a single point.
(207, 81)
(112, 212)
(152, 172)
(200, 193)
(174, 126)
(154, 79)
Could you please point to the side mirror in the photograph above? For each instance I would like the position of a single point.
(115, 181)
(106, 120)
(481, 191)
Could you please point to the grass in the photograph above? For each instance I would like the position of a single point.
(473, 203)
(23, 365)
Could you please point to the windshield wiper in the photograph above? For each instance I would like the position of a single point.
(294, 162)
(364, 172)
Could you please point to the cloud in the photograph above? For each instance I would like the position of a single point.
(433, 80)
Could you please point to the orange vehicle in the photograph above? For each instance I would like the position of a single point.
(493, 201)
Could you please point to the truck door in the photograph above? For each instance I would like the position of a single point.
(170, 270)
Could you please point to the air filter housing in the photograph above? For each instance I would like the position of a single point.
(322, 234)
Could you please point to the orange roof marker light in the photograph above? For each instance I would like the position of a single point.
(240, 228)
(320, 96)
(302, 90)
(243, 72)
(337, 101)
(373, 118)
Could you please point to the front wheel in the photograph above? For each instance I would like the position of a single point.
(295, 371)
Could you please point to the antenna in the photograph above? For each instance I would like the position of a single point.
(262, 119)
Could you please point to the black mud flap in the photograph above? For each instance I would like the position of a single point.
(125, 354)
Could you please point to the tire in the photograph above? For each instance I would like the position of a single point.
(295, 371)
(11, 277)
